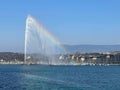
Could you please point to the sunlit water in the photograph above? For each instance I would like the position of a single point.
(37, 77)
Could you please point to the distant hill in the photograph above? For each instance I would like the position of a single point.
(91, 48)
(11, 56)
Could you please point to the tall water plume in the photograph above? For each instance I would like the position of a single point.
(40, 45)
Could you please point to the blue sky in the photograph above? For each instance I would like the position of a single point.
(71, 21)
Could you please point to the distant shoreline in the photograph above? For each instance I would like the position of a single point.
(22, 63)
(92, 59)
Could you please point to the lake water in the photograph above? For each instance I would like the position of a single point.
(40, 77)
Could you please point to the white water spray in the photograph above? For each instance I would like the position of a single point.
(39, 47)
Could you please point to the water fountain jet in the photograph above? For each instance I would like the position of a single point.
(41, 46)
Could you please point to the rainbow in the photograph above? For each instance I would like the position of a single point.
(46, 33)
